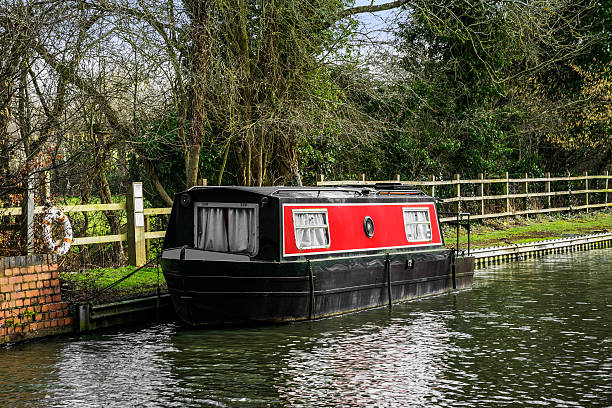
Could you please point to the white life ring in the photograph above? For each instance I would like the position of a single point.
(62, 247)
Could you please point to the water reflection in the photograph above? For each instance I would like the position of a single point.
(103, 370)
(25, 371)
(530, 333)
(368, 364)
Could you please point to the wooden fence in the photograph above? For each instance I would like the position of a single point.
(100, 239)
(517, 196)
(138, 232)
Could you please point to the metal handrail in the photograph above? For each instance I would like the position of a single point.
(319, 189)
(461, 223)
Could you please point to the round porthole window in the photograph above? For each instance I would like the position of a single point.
(368, 226)
(185, 200)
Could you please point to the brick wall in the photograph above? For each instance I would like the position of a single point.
(30, 300)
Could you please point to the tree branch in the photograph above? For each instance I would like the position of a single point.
(372, 8)
(155, 181)
(112, 116)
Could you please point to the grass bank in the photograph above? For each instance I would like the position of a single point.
(517, 230)
(81, 285)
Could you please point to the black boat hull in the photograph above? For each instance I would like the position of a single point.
(219, 291)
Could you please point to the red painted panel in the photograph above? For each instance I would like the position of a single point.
(346, 227)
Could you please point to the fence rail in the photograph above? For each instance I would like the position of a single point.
(584, 192)
(591, 192)
(100, 239)
(142, 240)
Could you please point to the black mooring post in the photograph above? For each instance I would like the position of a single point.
(469, 231)
(454, 269)
(388, 273)
(158, 290)
(311, 309)
(458, 218)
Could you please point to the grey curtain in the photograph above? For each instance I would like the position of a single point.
(241, 230)
(227, 230)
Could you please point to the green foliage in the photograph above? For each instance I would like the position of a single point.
(460, 110)
(598, 21)
(482, 91)
(160, 142)
(163, 145)
(29, 314)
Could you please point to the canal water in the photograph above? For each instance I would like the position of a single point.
(530, 333)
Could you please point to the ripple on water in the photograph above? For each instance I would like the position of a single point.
(529, 333)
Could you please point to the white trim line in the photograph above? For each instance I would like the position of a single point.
(439, 249)
(362, 249)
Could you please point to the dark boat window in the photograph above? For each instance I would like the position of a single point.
(311, 228)
(227, 227)
(417, 224)
(368, 226)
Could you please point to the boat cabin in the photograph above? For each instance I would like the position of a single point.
(286, 223)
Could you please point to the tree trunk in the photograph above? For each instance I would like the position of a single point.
(260, 158)
(192, 163)
(8, 75)
(249, 175)
(156, 183)
(199, 13)
(5, 100)
(241, 48)
(220, 179)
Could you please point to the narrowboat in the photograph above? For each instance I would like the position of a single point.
(281, 254)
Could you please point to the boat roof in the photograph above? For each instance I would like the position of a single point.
(353, 190)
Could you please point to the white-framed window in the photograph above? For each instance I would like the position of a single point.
(227, 227)
(311, 228)
(417, 224)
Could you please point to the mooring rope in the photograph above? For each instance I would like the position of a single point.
(112, 285)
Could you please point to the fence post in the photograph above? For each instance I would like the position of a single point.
(398, 178)
(203, 182)
(607, 184)
(433, 187)
(586, 189)
(134, 205)
(507, 191)
(320, 178)
(362, 177)
(458, 192)
(569, 191)
(147, 228)
(481, 191)
(548, 188)
(526, 191)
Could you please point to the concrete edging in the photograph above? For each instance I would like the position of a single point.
(91, 317)
(494, 255)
